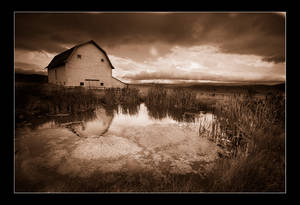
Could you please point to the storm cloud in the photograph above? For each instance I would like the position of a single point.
(166, 45)
(260, 34)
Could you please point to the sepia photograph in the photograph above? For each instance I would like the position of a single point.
(149, 102)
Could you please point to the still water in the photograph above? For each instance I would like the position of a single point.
(112, 141)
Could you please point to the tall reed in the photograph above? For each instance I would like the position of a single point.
(252, 133)
(128, 99)
(42, 99)
(177, 103)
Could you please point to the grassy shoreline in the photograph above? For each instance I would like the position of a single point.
(256, 132)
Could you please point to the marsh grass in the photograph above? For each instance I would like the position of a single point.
(262, 170)
(75, 100)
(252, 134)
(128, 99)
(34, 99)
(177, 103)
(238, 119)
(176, 98)
(116, 182)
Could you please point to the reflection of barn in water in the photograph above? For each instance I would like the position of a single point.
(83, 124)
(97, 124)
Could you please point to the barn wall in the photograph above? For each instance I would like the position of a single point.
(89, 66)
(60, 78)
(51, 77)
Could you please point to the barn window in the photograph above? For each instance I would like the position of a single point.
(102, 60)
(78, 56)
(101, 84)
(81, 83)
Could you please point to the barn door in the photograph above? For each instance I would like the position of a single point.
(92, 83)
(87, 84)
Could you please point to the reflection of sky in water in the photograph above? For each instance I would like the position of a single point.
(141, 119)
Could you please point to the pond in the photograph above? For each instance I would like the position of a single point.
(126, 140)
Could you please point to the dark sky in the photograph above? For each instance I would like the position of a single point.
(247, 44)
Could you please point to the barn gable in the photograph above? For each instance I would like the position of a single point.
(62, 58)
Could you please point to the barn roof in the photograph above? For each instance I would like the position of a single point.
(62, 58)
(118, 80)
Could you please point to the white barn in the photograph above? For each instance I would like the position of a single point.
(85, 65)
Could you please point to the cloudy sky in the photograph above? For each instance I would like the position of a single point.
(161, 47)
